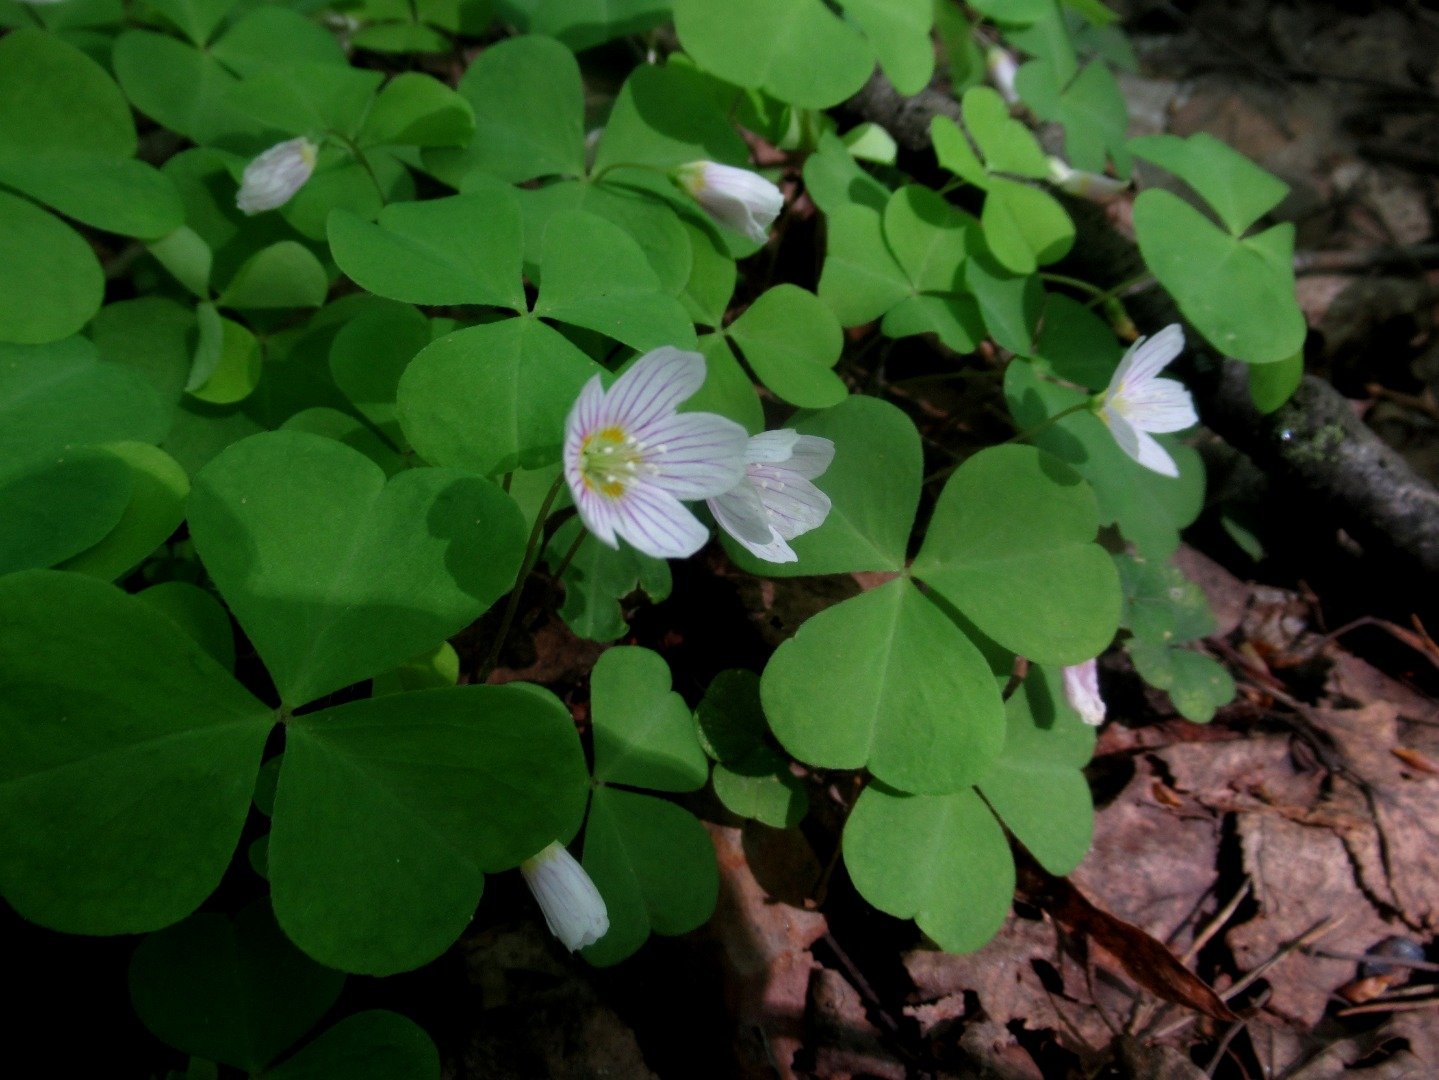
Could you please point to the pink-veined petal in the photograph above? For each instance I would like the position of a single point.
(654, 387)
(1146, 358)
(811, 456)
(655, 523)
(776, 551)
(584, 416)
(740, 513)
(598, 512)
(1153, 456)
(770, 447)
(692, 455)
(793, 505)
(1161, 405)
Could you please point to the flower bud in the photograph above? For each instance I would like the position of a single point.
(1002, 68)
(1087, 185)
(1081, 690)
(573, 908)
(272, 179)
(736, 198)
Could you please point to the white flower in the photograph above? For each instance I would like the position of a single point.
(775, 501)
(272, 179)
(630, 457)
(1081, 690)
(1002, 69)
(1138, 402)
(574, 909)
(736, 198)
(1087, 185)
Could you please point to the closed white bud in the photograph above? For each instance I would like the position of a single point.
(272, 179)
(1081, 690)
(1086, 185)
(736, 198)
(1002, 68)
(573, 908)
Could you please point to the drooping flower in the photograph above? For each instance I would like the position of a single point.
(1138, 402)
(1087, 185)
(775, 502)
(1002, 68)
(736, 198)
(630, 457)
(1081, 690)
(272, 179)
(573, 908)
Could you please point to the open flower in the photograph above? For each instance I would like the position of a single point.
(1096, 187)
(630, 457)
(736, 198)
(574, 909)
(775, 502)
(1138, 402)
(1081, 690)
(272, 179)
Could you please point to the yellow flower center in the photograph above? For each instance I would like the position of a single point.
(609, 460)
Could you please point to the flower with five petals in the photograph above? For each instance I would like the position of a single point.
(629, 457)
(775, 502)
(1138, 402)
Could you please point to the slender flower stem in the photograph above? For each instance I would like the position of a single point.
(564, 565)
(1074, 283)
(527, 564)
(1021, 436)
(364, 162)
(1123, 287)
(613, 165)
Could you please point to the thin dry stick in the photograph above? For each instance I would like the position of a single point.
(1314, 933)
(1223, 1047)
(1374, 958)
(1216, 924)
(1397, 1006)
(1147, 1011)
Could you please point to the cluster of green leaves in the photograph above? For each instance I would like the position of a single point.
(355, 405)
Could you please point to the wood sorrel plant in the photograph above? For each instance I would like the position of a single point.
(292, 340)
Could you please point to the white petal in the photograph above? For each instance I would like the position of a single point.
(770, 447)
(794, 505)
(776, 551)
(598, 512)
(1146, 358)
(1162, 405)
(811, 456)
(740, 513)
(573, 908)
(1122, 430)
(693, 455)
(654, 387)
(1153, 456)
(1081, 690)
(655, 523)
